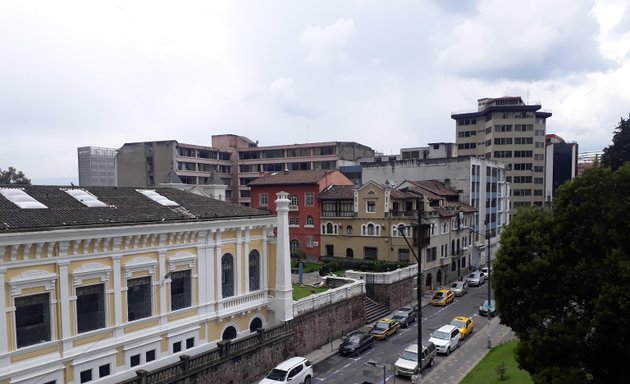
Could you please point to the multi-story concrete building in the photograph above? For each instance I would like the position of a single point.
(364, 222)
(480, 182)
(511, 131)
(100, 282)
(587, 160)
(303, 188)
(236, 159)
(97, 166)
(561, 160)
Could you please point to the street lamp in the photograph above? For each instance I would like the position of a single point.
(418, 256)
(489, 291)
(374, 363)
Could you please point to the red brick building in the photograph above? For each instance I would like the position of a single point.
(303, 188)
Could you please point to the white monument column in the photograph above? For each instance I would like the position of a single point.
(283, 302)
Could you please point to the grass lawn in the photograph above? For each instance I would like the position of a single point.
(301, 292)
(485, 372)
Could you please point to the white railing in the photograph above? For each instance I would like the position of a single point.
(237, 301)
(385, 277)
(335, 295)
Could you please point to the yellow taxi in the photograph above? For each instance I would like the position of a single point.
(443, 297)
(384, 328)
(465, 325)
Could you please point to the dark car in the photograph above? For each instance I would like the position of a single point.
(405, 315)
(356, 342)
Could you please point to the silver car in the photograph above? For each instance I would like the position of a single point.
(460, 288)
(475, 279)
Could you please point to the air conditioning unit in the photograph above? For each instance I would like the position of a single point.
(315, 243)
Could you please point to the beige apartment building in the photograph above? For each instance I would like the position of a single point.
(363, 222)
(508, 130)
(237, 160)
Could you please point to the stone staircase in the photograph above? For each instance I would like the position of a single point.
(373, 310)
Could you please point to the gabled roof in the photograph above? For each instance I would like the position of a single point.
(338, 192)
(436, 187)
(124, 206)
(291, 177)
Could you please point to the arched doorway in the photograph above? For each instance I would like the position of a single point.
(438, 277)
(349, 253)
(428, 282)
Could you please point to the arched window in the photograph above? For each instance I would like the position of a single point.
(428, 282)
(329, 229)
(349, 253)
(229, 333)
(295, 244)
(370, 229)
(227, 275)
(349, 230)
(453, 247)
(254, 271)
(255, 324)
(458, 250)
(309, 220)
(438, 278)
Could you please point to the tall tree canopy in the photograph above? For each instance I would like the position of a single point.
(618, 153)
(13, 176)
(562, 282)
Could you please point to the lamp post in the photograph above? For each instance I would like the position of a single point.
(418, 255)
(489, 313)
(374, 363)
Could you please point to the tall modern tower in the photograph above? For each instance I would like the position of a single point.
(508, 130)
(97, 166)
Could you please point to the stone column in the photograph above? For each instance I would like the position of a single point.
(283, 301)
(162, 275)
(118, 309)
(4, 337)
(64, 293)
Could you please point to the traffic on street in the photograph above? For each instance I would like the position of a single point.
(376, 364)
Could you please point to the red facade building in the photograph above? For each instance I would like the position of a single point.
(303, 188)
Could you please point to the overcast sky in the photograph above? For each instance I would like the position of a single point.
(386, 74)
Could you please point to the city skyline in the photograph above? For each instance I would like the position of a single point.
(389, 77)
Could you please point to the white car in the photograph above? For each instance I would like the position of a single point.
(484, 272)
(296, 370)
(446, 338)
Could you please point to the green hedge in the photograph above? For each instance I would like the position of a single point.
(340, 263)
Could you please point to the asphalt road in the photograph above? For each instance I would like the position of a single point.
(344, 370)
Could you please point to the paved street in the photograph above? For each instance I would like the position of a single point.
(447, 369)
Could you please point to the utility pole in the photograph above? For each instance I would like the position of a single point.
(420, 237)
(489, 291)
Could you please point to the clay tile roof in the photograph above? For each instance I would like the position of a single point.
(290, 177)
(125, 206)
(336, 192)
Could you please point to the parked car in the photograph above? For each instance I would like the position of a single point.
(407, 363)
(465, 325)
(384, 328)
(295, 370)
(484, 272)
(355, 343)
(459, 288)
(485, 308)
(443, 297)
(406, 315)
(446, 338)
(475, 279)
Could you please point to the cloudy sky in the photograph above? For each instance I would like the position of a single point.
(384, 74)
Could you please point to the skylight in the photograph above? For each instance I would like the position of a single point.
(151, 194)
(21, 198)
(85, 197)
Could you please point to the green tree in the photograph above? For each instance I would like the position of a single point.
(618, 153)
(562, 282)
(13, 176)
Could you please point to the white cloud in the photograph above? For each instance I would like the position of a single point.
(326, 44)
